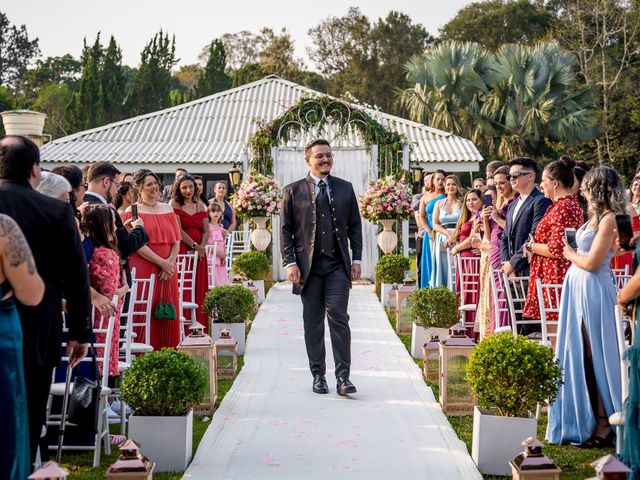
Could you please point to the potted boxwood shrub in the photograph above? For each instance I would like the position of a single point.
(509, 376)
(434, 310)
(229, 306)
(252, 266)
(389, 270)
(163, 387)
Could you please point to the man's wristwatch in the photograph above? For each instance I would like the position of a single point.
(194, 245)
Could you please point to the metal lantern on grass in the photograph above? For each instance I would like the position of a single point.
(610, 468)
(455, 394)
(254, 290)
(49, 471)
(532, 464)
(131, 464)
(431, 357)
(227, 355)
(201, 347)
(403, 307)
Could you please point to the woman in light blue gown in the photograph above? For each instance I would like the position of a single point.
(587, 347)
(426, 208)
(446, 213)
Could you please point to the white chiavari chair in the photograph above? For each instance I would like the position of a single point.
(499, 297)
(186, 267)
(212, 251)
(138, 325)
(469, 274)
(516, 292)
(617, 419)
(549, 300)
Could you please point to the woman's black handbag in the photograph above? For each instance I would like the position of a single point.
(164, 309)
(84, 401)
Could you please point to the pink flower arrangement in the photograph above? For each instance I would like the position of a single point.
(384, 199)
(258, 196)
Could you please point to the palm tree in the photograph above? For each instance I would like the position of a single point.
(512, 102)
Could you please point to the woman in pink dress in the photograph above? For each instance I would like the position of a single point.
(105, 271)
(159, 256)
(216, 237)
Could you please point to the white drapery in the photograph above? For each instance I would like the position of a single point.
(351, 164)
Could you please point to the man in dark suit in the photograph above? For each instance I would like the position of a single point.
(320, 218)
(51, 231)
(523, 216)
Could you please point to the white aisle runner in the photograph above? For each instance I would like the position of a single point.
(272, 426)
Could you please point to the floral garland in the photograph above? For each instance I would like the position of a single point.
(257, 196)
(315, 112)
(386, 198)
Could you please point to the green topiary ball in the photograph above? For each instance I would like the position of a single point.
(513, 374)
(251, 265)
(435, 307)
(229, 303)
(164, 383)
(390, 268)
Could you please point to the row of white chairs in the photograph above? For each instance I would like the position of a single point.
(509, 295)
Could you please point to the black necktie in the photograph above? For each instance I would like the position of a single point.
(323, 199)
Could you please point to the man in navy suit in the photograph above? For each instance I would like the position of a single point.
(523, 216)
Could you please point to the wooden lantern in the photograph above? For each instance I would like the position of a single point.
(131, 464)
(49, 471)
(201, 347)
(532, 464)
(254, 290)
(455, 395)
(227, 355)
(403, 309)
(431, 357)
(610, 468)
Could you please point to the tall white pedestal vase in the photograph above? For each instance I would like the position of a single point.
(387, 238)
(497, 439)
(260, 236)
(167, 441)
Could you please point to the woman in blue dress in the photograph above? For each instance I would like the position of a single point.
(427, 203)
(587, 347)
(446, 213)
(19, 278)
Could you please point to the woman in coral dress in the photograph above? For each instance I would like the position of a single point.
(105, 271)
(216, 237)
(193, 220)
(159, 255)
(545, 250)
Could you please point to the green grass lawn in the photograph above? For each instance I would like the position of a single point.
(575, 462)
(79, 463)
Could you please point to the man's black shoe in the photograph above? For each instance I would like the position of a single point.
(345, 387)
(320, 384)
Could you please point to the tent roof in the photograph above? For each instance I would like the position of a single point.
(216, 129)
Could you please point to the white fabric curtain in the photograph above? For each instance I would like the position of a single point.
(351, 164)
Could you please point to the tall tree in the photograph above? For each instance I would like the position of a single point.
(17, 52)
(213, 78)
(241, 47)
(496, 22)
(86, 101)
(152, 87)
(277, 54)
(60, 70)
(112, 85)
(54, 100)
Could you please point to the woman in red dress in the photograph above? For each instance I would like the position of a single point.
(159, 255)
(545, 249)
(468, 226)
(193, 220)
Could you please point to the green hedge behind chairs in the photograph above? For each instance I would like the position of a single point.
(229, 303)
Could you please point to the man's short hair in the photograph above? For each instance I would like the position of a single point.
(524, 162)
(492, 166)
(319, 141)
(18, 155)
(180, 169)
(102, 169)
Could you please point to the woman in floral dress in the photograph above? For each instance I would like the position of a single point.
(545, 249)
(105, 271)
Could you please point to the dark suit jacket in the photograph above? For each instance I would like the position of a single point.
(298, 217)
(52, 233)
(128, 242)
(516, 234)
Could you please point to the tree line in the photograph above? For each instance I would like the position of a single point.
(517, 76)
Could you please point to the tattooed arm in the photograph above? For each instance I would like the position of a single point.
(18, 265)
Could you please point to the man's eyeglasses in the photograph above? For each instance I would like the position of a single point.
(320, 156)
(517, 175)
(115, 182)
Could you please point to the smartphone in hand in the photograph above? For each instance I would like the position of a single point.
(134, 211)
(487, 200)
(625, 232)
(570, 237)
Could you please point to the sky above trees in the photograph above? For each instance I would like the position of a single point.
(61, 26)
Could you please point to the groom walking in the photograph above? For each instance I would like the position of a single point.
(319, 213)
